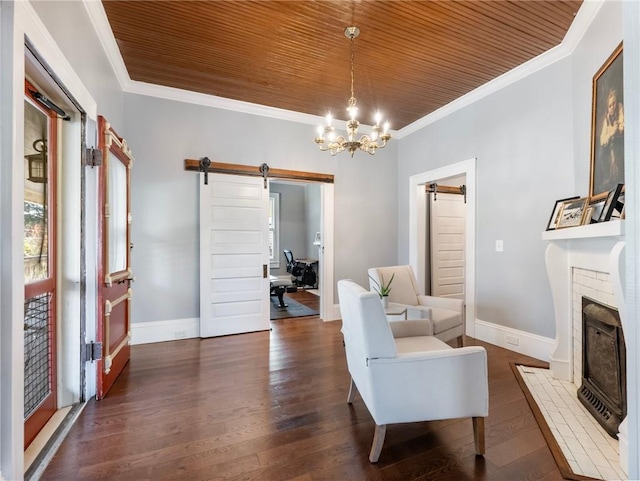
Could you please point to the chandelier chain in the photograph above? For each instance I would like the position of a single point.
(353, 56)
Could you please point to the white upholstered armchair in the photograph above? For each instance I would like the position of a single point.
(446, 314)
(404, 376)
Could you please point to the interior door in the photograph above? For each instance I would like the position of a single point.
(234, 255)
(114, 267)
(40, 290)
(447, 245)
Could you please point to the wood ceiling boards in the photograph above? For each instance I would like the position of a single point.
(411, 58)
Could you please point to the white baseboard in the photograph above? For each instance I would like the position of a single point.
(333, 314)
(523, 342)
(530, 344)
(160, 331)
(171, 330)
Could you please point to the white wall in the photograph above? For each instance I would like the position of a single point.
(312, 203)
(70, 26)
(521, 137)
(532, 141)
(162, 133)
(20, 21)
(602, 37)
(11, 267)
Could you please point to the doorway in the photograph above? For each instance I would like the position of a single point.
(296, 225)
(418, 232)
(54, 209)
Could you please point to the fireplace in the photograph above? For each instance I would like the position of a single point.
(597, 253)
(603, 390)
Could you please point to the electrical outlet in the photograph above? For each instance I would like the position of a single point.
(499, 246)
(512, 340)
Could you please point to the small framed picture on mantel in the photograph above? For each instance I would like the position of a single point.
(555, 213)
(572, 212)
(597, 205)
(611, 204)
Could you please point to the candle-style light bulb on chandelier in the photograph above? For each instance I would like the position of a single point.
(327, 139)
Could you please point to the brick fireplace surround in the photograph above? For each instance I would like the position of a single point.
(584, 261)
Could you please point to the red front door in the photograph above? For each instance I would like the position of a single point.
(40, 395)
(114, 268)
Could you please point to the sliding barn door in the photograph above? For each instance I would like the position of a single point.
(447, 245)
(234, 255)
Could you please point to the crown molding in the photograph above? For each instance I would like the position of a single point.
(179, 95)
(95, 10)
(100, 23)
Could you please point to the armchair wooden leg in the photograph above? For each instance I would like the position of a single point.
(460, 343)
(352, 392)
(478, 435)
(378, 441)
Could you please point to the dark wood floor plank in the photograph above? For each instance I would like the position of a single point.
(536, 466)
(520, 444)
(271, 406)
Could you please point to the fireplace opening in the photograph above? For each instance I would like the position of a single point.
(604, 370)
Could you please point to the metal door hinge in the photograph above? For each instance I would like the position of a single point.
(93, 157)
(93, 351)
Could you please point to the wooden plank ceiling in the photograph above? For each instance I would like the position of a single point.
(411, 58)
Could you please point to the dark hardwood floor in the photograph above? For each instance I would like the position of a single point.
(272, 406)
(306, 298)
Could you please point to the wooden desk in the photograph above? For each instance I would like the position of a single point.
(307, 261)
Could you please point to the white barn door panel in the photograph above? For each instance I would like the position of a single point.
(447, 246)
(234, 255)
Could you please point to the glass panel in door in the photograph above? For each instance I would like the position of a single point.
(39, 267)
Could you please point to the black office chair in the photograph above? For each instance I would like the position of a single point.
(302, 273)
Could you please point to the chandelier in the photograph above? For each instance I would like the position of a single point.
(327, 140)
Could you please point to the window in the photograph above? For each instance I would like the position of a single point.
(274, 230)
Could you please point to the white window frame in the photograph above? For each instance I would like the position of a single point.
(274, 230)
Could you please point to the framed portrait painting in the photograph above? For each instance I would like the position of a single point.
(607, 127)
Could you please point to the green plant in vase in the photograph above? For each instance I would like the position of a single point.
(383, 288)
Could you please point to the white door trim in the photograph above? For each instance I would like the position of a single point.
(328, 310)
(19, 20)
(417, 228)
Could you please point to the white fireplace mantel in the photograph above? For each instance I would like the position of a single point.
(613, 228)
(598, 247)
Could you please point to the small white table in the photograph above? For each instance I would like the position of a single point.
(394, 309)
